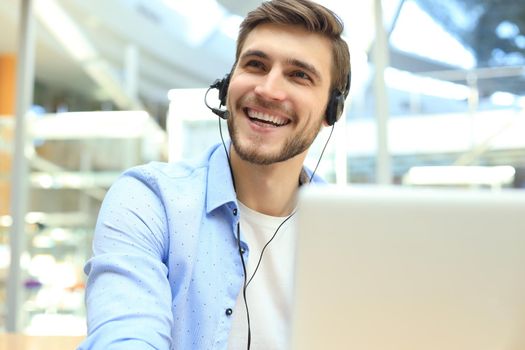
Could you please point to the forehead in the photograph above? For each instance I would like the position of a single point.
(286, 43)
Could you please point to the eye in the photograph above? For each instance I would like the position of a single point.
(301, 75)
(254, 64)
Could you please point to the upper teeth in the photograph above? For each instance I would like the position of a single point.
(267, 117)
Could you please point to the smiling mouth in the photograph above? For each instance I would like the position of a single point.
(265, 119)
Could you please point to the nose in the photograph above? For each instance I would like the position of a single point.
(272, 86)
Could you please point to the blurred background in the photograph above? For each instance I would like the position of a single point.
(90, 88)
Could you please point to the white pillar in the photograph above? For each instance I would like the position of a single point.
(19, 180)
(383, 166)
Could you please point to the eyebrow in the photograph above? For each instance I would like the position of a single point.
(292, 61)
(306, 66)
(257, 53)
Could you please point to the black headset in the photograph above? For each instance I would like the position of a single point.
(334, 108)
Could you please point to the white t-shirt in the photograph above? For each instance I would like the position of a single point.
(270, 292)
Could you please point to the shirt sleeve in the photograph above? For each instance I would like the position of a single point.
(128, 297)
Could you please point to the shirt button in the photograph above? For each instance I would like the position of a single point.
(243, 250)
(229, 312)
(235, 211)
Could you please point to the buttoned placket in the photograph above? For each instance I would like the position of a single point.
(243, 247)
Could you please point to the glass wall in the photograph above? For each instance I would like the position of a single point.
(454, 90)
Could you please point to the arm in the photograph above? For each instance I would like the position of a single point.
(128, 296)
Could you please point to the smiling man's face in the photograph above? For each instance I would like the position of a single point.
(278, 93)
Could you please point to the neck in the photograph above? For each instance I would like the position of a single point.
(268, 189)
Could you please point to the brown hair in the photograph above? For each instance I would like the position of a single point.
(311, 16)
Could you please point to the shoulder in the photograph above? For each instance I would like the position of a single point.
(139, 201)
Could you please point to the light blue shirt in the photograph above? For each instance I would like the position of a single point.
(165, 271)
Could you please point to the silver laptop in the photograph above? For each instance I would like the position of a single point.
(407, 269)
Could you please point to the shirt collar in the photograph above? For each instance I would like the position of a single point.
(220, 188)
(303, 177)
(219, 185)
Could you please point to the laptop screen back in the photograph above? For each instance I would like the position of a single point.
(406, 269)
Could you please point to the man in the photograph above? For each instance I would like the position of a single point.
(176, 245)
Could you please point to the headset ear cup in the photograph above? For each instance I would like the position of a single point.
(335, 106)
(336, 103)
(223, 89)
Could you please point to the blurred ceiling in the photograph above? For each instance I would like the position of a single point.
(166, 58)
(168, 48)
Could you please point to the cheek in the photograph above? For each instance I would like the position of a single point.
(239, 82)
(234, 93)
(318, 108)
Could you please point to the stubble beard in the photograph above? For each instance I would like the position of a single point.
(292, 146)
